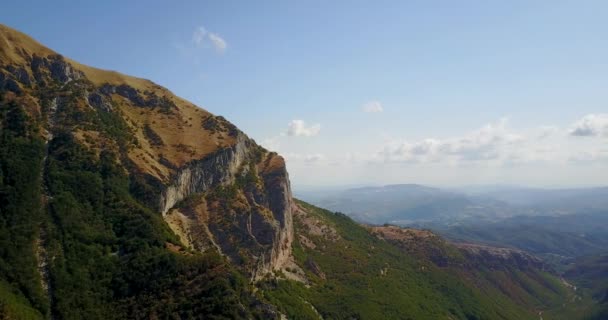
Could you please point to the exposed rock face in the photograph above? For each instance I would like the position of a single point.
(60, 70)
(280, 202)
(254, 226)
(314, 268)
(214, 170)
(240, 196)
(314, 226)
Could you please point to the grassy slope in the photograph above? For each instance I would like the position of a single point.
(181, 128)
(355, 288)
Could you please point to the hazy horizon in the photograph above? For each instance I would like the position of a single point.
(488, 187)
(433, 93)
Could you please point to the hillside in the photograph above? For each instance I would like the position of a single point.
(558, 239)
(394, 273)
(590, 274)
(93, 168)
(119, 200)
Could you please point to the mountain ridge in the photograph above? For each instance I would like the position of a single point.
(106, 153)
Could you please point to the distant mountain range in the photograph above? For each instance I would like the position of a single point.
(406, 204)
(566, 228)
(567, 236)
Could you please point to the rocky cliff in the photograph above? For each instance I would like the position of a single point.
(237, 201)
(213, 185)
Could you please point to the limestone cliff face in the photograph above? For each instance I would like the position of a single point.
(237, 200)
(217, 169)
(214, 186)
(280, 202)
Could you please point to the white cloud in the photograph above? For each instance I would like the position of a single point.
(218, 42)
(591, 125)
(311, 158)
(372, 107)
(272, 144)
(199, 35)
(491, 142)
(586, 157)
(299, 128)
(545, 132)
(495, 144)
(353, 157)
(201, 38)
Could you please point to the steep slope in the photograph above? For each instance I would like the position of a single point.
(590, 275)
(92, 162)
(502, 273)
(356, 272)
(170, 148)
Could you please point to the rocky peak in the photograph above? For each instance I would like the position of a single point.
(215, 187)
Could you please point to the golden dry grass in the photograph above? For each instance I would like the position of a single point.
(16, 46)
(182, 132)
(272, 163)
(183, 136)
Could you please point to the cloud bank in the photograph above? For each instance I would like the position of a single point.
(591, 125)
(486, 143)
(202, 38)
(372, 107)
(298, 128)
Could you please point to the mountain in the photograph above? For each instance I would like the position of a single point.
(410, 203)
(574, 245)
(558, 224)
(563, 237)
(110, 184)
(591, 273)
(119, 200)
(361, 272)
(557, 201)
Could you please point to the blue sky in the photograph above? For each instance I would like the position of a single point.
(456, 92)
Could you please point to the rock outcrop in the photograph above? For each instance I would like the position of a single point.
(213, 185)
(250, 221)
(217, 169)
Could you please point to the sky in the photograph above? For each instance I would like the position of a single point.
(351, 93)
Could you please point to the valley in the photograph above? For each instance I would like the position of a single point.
(566, 231)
